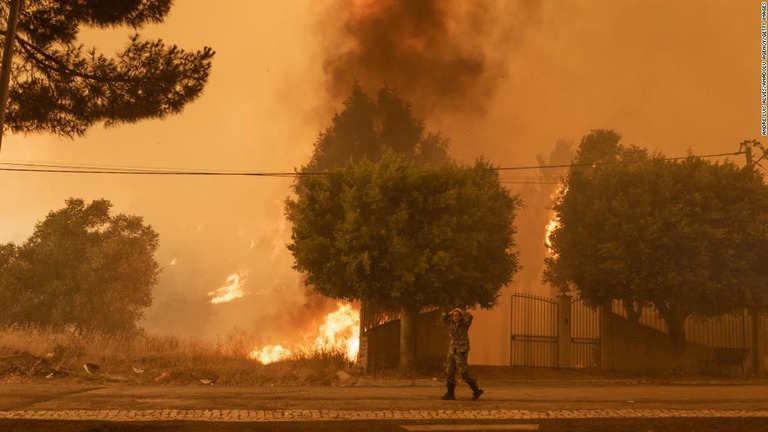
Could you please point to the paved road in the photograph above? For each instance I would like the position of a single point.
(563, 425)
(407, 401)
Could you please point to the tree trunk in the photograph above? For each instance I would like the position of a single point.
(676, 326)
(409, 317)
(633, 309)
(674, 315)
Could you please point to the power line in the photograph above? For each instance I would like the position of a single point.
(529, 182)
(155, 172)
(612, 163)
(101, 169)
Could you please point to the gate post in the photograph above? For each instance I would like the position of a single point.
(362, 354)
(758, 341)
(564, 332)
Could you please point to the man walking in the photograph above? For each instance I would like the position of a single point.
(458, 323)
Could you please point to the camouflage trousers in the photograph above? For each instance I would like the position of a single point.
(456, 364)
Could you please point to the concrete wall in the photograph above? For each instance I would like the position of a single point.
(632, 347)
(623, 346)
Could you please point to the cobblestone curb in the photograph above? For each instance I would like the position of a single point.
(318, 415)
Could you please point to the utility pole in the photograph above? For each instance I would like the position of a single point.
(746, 147)
(5, 71)
(756, 314)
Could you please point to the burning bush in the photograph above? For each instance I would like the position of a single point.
(29, 352)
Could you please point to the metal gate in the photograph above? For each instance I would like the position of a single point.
(585, 335)
(534, 331)
(549, 332)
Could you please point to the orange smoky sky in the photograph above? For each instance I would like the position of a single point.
(505, 79)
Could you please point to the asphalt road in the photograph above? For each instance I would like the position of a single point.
(387, 406)
(593, 425)
(395, 395)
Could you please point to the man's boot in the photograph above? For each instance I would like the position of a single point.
(476, 391)
(449, 394)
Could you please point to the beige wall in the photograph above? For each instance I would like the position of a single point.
(632, 347)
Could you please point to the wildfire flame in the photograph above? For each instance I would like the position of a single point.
(232, 289)
(340, 330)
(554, 222)
(551, 227)
(270, 354)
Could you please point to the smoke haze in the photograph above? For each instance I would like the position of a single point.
(442, 56)
(504, 79)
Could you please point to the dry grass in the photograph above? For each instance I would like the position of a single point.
(28, 353)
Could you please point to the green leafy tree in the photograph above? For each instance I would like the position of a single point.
(367, 128)
(688, 236)
(598, 148)
(82, 267)
(57, 85)
(10, 291)
(400, 235)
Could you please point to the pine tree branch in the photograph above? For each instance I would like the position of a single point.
(34, 53)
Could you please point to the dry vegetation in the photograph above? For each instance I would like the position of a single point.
(30, 353)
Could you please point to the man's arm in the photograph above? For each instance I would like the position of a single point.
(468, 318)
(445, 318)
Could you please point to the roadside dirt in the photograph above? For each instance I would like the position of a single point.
(27, 368)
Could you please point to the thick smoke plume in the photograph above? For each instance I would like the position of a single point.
(440, 55)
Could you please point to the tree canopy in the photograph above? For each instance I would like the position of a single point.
(58, 85)
(383, 216)
(367, 129)
(399, 234)
(83, 268)
(689, 236)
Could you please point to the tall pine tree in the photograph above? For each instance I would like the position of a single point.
(59, 86)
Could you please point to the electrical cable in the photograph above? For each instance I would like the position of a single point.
(42, 167)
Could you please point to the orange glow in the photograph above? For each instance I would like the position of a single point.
(551, 227)
(340, 331)
(270, 354)
(554, 222)
(233, 289)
